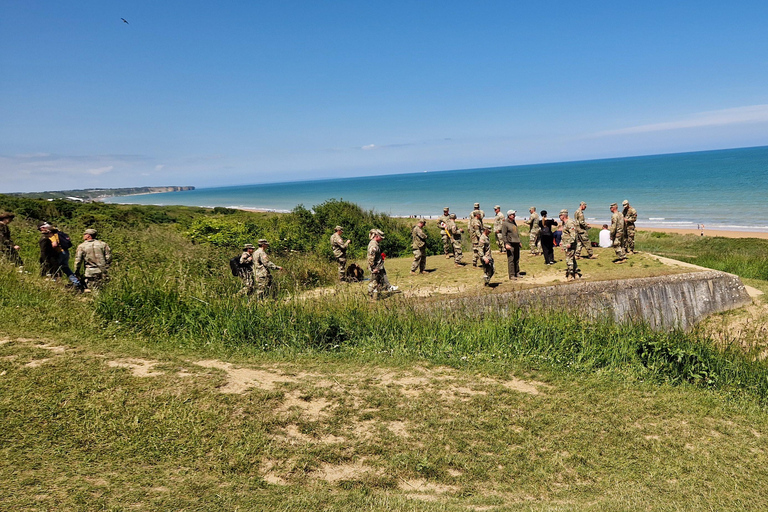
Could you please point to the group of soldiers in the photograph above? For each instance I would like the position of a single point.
(574, 241)
(93, 257)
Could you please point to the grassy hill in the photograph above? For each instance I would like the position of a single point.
(167, 392)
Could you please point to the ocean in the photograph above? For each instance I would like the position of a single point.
(723, 189)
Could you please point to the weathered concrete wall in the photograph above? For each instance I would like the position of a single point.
(664, 302)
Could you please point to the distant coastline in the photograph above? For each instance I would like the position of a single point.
(98, 194)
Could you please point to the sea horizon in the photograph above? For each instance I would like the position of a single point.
(722, 189)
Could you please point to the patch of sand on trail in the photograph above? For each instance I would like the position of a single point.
(243, 379)
(9, 358)
(53, 348)
(311, 409)
(37, 362)
(333, 473)
(138, 367)
(420, 485)
(523, 386)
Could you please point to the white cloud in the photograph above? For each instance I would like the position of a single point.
(368, 147)
(739, 115)
(100, 170)
(159, 167)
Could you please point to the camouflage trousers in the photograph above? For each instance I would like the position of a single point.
(263, 286)
(534, 241)
(447, 245)
(247, 279)
(419, 260)
(618, 246)
(489, 269)
(342, 261)
(95, 282)
(629, 238)
(570, 260)
(582, 241)
(475, 252)
(457, 254)
(379, 283)
(499, 240)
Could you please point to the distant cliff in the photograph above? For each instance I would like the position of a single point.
(95, 194)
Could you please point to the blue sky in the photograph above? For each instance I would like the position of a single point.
(236, 92)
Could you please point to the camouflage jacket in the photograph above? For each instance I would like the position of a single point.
(419, 237)
(95, 255)
(497, 221)
(630, 215)
(442, 222)
(617, 225)
(482, 214)
(485, 247)
(261, 263)
(375, 260)
(338, 245)
(533, 223)
(569, 232)
(452, 229)
(475, 229)
(581, 224)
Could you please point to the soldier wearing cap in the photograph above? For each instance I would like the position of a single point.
(261, 270)
(442, 222)
(498, 220)
(96, 256)
(454, 232)
(339, 248)
(419, 238)
(476, 207)
(486, 255)
(379, 281)
(475, 232)
(582, 240)
(7, 247)
(246, 270)
(617, 233)
(534, 240)
(511, 237)
(569, 241)
(630, 217)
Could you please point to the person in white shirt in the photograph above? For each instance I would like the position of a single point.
(605, 237)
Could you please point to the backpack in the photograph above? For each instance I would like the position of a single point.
(64, 241)
(236, 268)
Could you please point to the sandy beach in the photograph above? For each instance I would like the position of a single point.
(711, 232)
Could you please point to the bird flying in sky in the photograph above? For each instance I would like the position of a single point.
(125, 21)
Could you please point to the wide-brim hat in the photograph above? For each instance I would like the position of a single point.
(263, 241)
(248, 246)
(338, 228)
(477, 205)
(7, 215)
(614, 204)
(625, 202)
(90, 231)
(563, 212)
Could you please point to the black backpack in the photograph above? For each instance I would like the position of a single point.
(236, 268)
(64, 241)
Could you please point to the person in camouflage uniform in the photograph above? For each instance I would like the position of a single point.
(533, 238)
(630, 217)
(617, 233)
(442, 222)
(246, 270)
(498, 219)
(379, 281)
(582, 227)
(7, 247)
(455, 233)
(475, 232)
(477, 209)
(261, 270)
(339, 247)
(96, 256)
(569, 241)
(419, 238)
(486, 255)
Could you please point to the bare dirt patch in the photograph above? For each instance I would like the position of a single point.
(53, 348)
(312, 409)
(241, 380)
(333, 473)
(138, 367)
(422, 486)
(36, 363)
